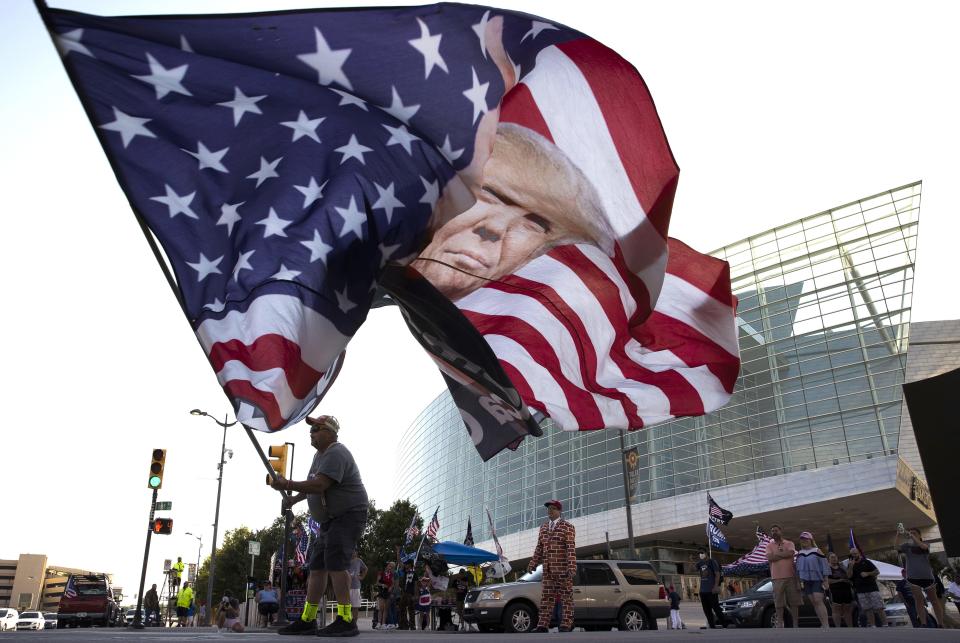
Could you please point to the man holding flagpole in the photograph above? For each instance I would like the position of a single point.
(337, 499)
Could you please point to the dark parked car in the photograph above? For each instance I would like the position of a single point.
(754, 608)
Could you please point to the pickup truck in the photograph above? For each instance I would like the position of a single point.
(87, 600)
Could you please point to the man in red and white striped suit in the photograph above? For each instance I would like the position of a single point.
(557, 550)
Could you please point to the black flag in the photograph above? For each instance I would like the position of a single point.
(718, 515)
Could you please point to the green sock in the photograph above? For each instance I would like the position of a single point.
(346, 611)
(309, 612)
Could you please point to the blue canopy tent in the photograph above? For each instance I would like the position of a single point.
(458, 554)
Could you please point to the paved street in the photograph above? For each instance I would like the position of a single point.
(861, 635)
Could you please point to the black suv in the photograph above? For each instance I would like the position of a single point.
(754, 608)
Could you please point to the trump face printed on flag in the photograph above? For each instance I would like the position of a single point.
(532, 198)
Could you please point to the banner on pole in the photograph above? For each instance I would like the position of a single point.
(631, 458)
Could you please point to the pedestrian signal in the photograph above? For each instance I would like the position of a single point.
(278, 460)
(155, 481)
(162, 525)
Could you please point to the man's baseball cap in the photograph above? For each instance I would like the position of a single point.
(554, 503)
(325, 422)
(806, 535)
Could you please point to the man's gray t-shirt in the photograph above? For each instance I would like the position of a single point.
(346, 494)
(355, 567)
(918, 562)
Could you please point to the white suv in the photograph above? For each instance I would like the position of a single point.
(8, 618)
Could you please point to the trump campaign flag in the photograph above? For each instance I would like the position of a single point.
(716, 513)
(504, 179)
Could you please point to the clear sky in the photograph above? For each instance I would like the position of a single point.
(774, 111)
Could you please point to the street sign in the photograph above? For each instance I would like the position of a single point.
(163, 505)
(253, 547)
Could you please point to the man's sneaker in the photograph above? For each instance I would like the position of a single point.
(299, 626)
(340, 628)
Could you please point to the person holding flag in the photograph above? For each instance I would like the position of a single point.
(710, 576)
(338, 501)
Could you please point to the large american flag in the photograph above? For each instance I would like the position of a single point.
(754, 561)
(280, 160)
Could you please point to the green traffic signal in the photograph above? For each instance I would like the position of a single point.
(155, 480)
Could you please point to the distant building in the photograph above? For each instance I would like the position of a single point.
(815, 437)
(29, 583)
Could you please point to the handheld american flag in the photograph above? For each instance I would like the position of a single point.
(279, 161)
(503, 564)
(433, 527)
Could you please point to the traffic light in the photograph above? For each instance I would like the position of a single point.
(280, 463)
(155, 481)
(162, 525)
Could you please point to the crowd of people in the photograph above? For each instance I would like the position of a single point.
(833, 586)
(406, 595)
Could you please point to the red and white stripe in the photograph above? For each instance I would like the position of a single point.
(610, 342)
(433, 527)
(278, 355)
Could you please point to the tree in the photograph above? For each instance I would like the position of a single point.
(233, 559)
(384, 534)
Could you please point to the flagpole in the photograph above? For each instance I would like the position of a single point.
(417, 556)
(709, 539)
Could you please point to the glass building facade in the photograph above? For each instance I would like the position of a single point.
(824, 317)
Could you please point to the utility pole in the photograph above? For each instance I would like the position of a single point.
(216, 519)
(137, 621)
(216, 515)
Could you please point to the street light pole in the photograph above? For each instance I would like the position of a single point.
(199, 548)
(216, 515)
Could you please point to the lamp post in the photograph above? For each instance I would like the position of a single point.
(199, 547)
(216, 515)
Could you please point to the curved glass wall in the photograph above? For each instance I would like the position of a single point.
(824, 312)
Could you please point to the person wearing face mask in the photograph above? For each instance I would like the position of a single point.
(786, 590)
(709, 571)
(864, 574)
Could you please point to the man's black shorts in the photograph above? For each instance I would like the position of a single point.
(336, 541)
(269, 608)
(182, 611)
